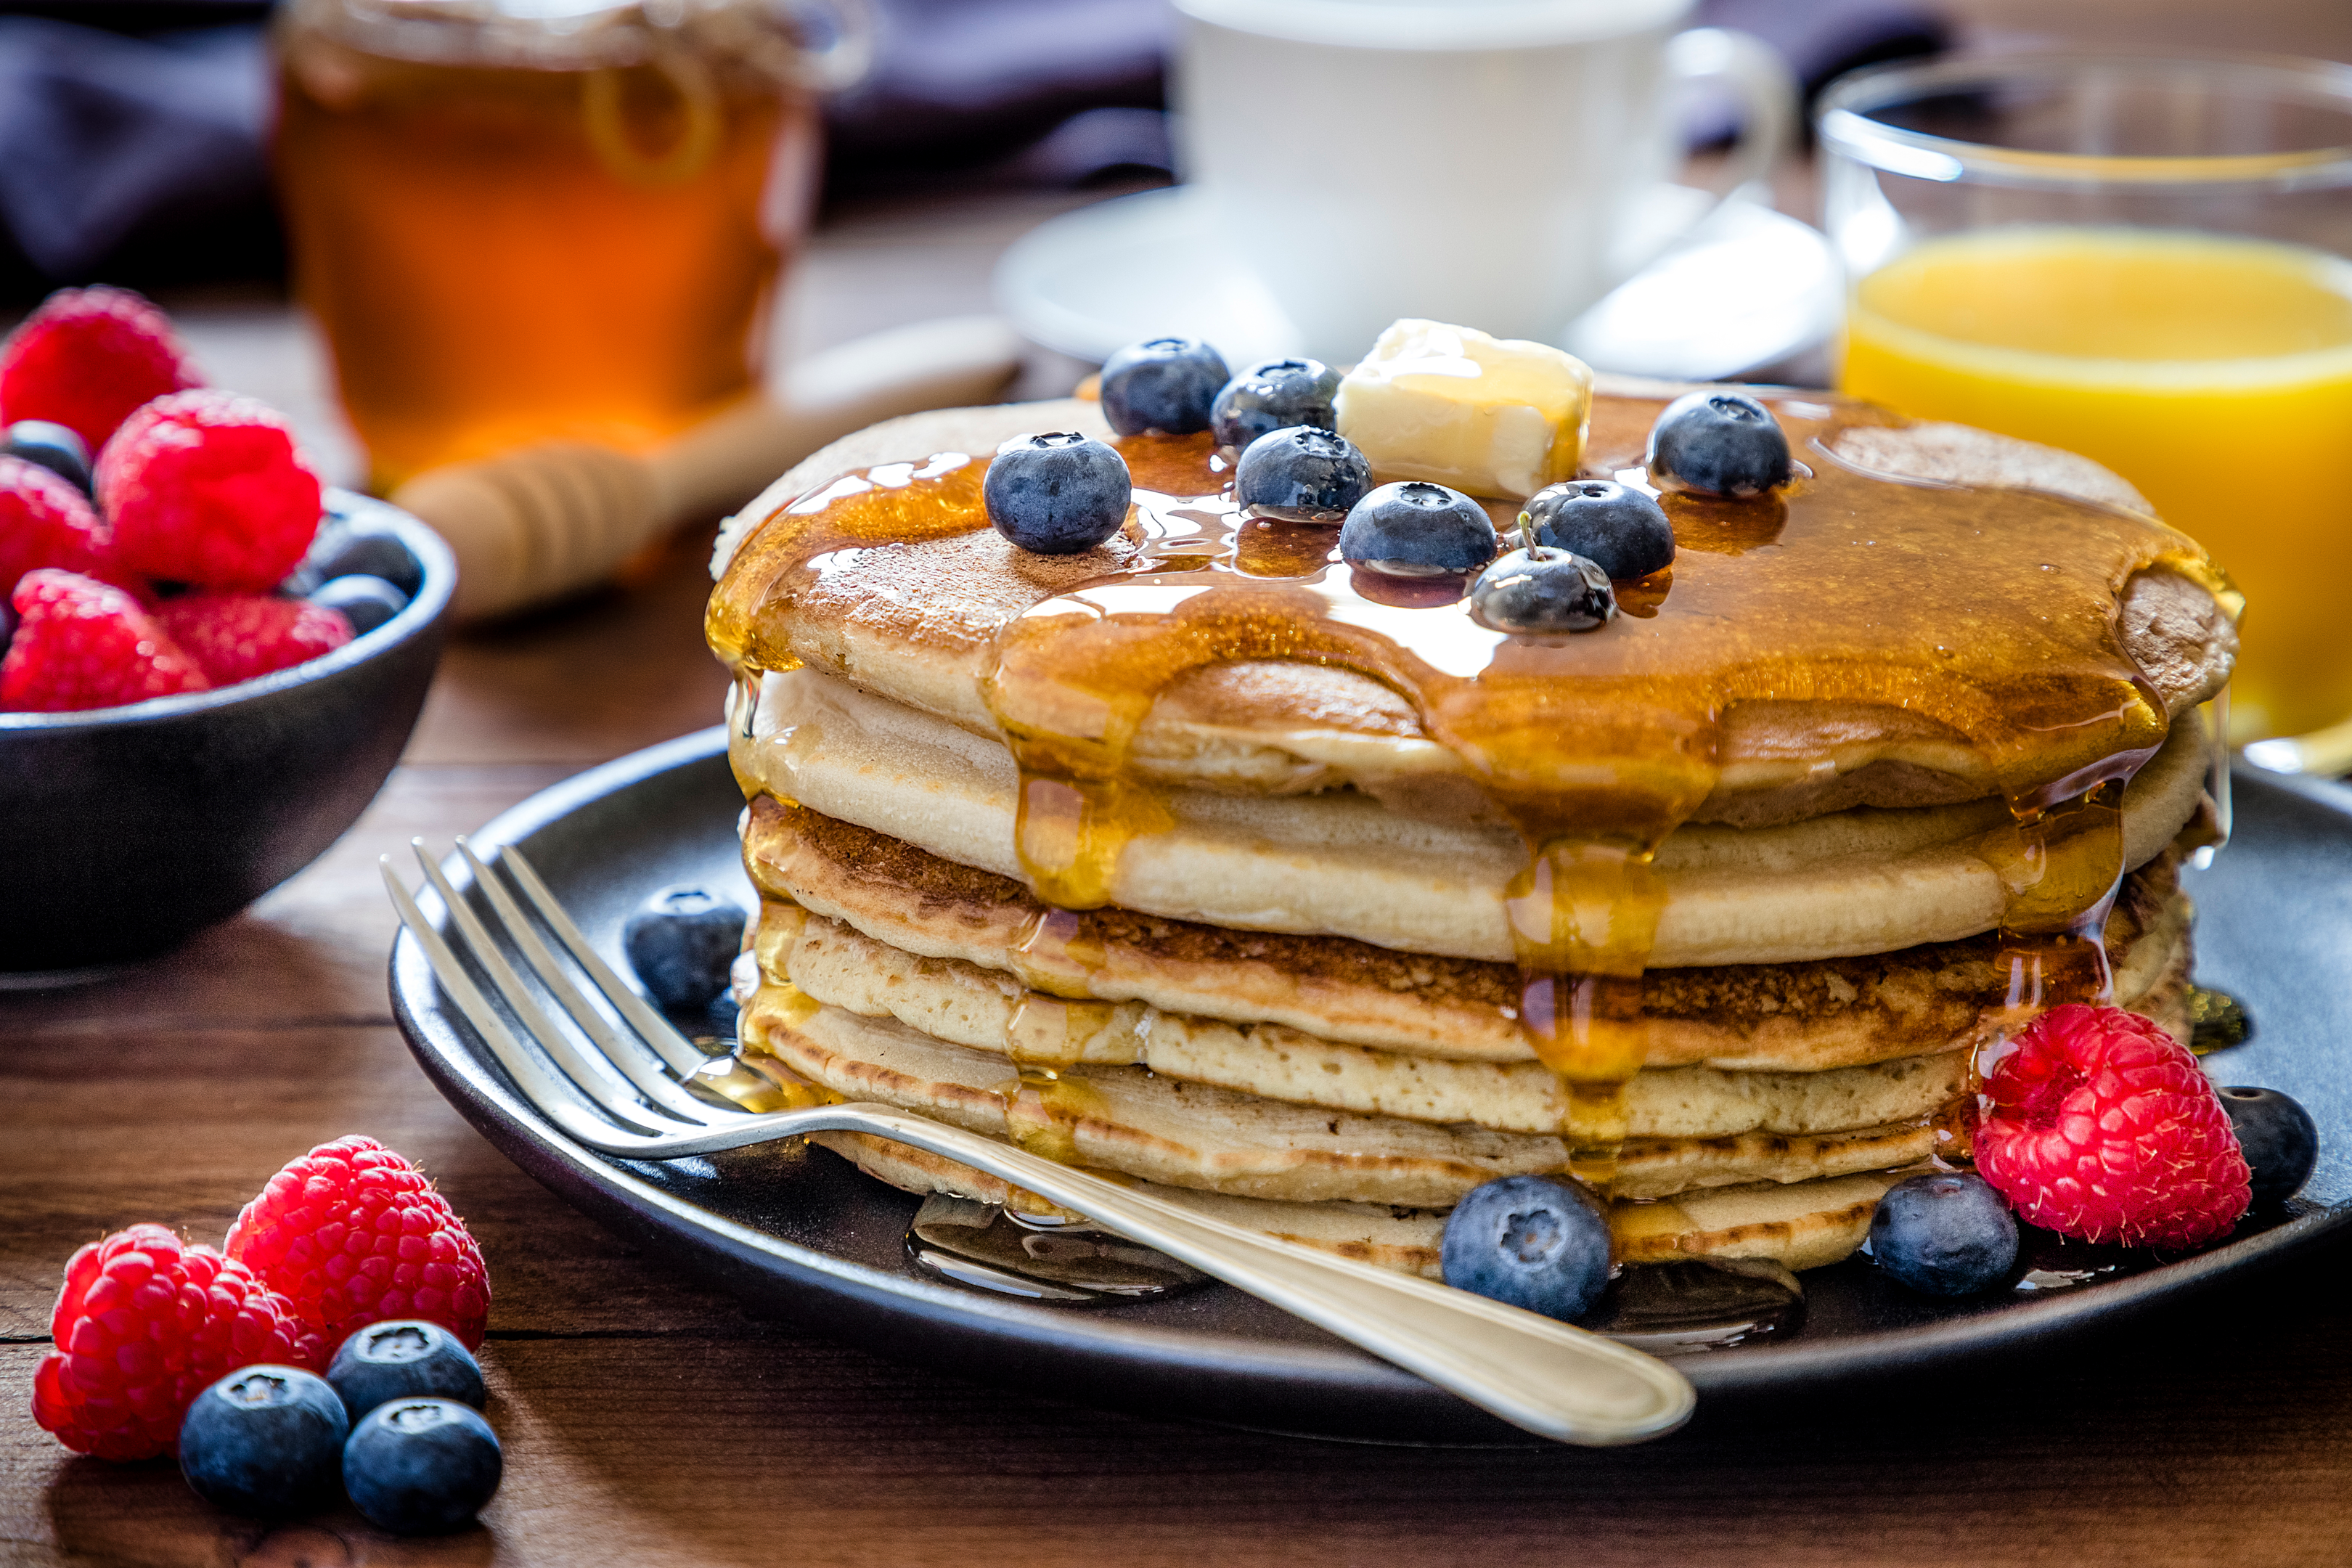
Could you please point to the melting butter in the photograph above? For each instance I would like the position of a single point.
(1491, 417)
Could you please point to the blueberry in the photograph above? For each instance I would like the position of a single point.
(56, 448)
(1416, 530)
(1718, 443)
(681, 942)
(263, 1439)
(1541, 591)
(1538, 1242)
(1301, 474)
(372, 554)
(1058, 494)
(366, 601)
(1945, 1235)
(1162, 384)
(1273, 394)
(403, 1358)
(726, 1013)
(1621, 530)
(2280, 1139)
(7, 623)
(418, 1467)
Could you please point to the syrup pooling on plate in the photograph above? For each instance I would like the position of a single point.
(1990, 613)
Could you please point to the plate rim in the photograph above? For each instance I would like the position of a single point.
(1114, 1336)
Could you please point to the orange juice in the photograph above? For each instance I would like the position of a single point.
(2214, 373)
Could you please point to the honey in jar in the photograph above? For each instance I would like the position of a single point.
(520, 220)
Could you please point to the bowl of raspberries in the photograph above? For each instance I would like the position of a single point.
(208, 661)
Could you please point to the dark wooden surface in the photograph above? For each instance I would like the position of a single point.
(648, 1420)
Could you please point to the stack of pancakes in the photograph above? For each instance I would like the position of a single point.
(1299, 1011)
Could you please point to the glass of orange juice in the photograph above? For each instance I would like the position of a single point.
(2143, 259)
(521, 220)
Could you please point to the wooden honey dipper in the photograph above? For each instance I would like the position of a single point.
(534, 525)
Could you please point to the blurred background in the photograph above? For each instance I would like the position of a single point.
(527, 267)
(133, 150)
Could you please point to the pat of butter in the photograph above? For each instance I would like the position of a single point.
(1491, 417)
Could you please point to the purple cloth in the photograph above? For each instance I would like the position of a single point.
(977, 78)
(1822, 40)
(105, 137)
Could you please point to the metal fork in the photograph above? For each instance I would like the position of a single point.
(611, 1079)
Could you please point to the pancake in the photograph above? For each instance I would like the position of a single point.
(1805, 1015)
(973, 1007)
(1133, 1122)
(989, 1011)
(915, 622)
(1256, 946)
(1863, 880)
(1799, 1226)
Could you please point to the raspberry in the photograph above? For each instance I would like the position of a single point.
(87, 358)
(207, 487)
(82, 642)
(45, 522)
(144, 1323)
(235, 637)
(354, 1235)
(2101, 1125)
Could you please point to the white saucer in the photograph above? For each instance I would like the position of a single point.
(1748, 290)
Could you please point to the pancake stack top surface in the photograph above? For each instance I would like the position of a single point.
(1203, 857)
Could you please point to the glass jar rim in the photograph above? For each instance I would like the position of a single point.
(584, 34)
(1843, 121)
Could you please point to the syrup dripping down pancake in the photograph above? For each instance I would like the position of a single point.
(915, 622)
(1859, 881)
(1137, 1123)
(989, 1011)
(968, 928)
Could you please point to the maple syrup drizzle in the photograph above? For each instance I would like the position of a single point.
(744, 1072)
(1054, 954)
(1583, 916)
(1049, 1032)
(754, 1080)
(744, 702)
(1846, 586)
(1043, 1108)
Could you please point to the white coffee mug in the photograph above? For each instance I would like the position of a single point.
(1501, 163)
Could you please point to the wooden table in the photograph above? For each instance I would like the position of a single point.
(648, 1420)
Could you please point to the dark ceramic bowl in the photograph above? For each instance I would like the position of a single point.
(125, 830)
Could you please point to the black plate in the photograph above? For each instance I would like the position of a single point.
(801, 1233)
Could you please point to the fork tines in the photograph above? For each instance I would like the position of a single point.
(619, 1064)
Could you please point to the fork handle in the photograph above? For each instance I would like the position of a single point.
(1541, 1375)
